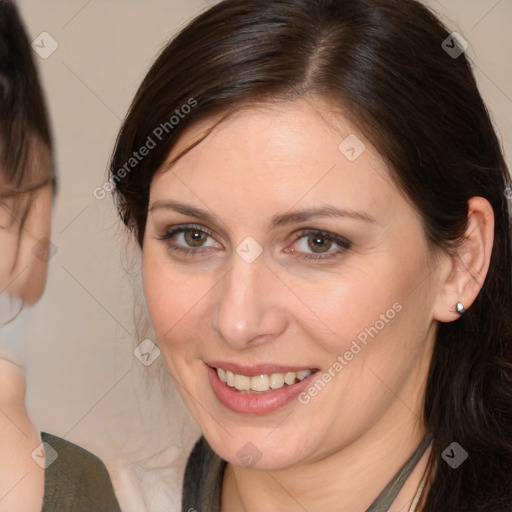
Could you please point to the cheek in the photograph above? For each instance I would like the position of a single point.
(173, 299)
(376, 308)
(347, 306)
(8, 244)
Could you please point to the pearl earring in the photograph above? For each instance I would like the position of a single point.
(460, 308)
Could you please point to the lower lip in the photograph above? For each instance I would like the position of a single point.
(249, 403)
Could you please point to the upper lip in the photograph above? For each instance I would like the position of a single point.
(257, 369)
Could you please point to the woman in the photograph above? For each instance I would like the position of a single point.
(35, 469)
(320, 201)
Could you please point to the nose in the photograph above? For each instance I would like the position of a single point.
(249, 310)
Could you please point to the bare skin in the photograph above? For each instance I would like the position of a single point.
(337, 450)
(22, 269)
(21, 479)
(23, 276)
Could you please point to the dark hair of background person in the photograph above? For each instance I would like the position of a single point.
(23, 116)
(382, 63)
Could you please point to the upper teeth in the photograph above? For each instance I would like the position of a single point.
(261, 382)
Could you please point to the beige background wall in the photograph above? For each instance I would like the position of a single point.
(79, 341)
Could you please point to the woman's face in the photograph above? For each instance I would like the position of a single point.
(280, 257)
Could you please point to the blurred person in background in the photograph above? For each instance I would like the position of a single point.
(74, 480)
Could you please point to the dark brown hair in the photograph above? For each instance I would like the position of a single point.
(383, 62)
(23, 115)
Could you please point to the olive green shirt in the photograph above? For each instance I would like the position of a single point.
(75, 480)
(202, 485)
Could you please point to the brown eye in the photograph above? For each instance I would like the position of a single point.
(319, 243)
(195, 238)
(190, 240)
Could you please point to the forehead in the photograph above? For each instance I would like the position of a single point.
(279, 153)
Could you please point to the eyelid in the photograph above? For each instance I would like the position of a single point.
(343, 244)
(186, 250)
(341, 241)
(172, 230)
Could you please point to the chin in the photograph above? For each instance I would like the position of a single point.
(258, 450)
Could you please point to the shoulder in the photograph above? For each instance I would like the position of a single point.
(75, 479)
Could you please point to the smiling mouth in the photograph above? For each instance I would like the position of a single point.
(262, 383)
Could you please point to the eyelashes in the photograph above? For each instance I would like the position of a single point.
(310, 244)
(193, 239)
(320, 243)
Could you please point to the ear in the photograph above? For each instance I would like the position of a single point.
(468, 264)
(24, 239)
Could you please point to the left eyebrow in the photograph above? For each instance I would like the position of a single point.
(295, 217)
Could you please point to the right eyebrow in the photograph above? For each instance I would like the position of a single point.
(184, 209)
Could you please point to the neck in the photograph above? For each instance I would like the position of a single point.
(12, 384)
(347, 480)
(21, 479)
